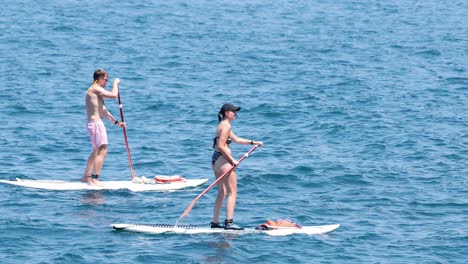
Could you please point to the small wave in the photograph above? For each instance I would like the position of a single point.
(429, 53)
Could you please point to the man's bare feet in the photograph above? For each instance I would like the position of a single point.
(86, 179)
(93, 179)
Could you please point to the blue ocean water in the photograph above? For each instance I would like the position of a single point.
(362, 106)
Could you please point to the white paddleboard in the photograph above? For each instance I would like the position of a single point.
(104, 185)
(191, 230)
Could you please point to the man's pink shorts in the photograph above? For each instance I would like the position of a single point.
(97, 132)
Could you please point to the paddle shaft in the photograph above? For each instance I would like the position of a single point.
(125, 137)
(189, 208)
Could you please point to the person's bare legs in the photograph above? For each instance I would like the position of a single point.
(94, 164)
(226, 187)
(219, 201)
(89, 166)
(99, 161)
(231, 185)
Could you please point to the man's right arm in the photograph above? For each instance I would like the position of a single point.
(109, 94)
(115, 87)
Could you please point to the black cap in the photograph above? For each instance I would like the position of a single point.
(229, 107)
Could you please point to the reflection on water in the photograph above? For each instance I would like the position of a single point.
(220, 245)
(93, 197)
(90, 199)
(222, 249)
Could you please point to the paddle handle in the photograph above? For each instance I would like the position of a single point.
(125, 138)
(189, 208)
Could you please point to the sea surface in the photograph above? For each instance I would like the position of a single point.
(362, 107)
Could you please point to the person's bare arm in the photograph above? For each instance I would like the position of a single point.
(244, 141)
(109, 94)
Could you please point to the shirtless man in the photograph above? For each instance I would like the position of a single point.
(96, 109)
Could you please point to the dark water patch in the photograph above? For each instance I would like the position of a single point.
(303, 169)
(152, 163)
(70, 257)
(429, 53)
(273, 177)
(354, 179)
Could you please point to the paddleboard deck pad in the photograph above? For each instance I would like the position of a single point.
(104, 185)
(206, 229)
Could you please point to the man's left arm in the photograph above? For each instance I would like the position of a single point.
(110, 117)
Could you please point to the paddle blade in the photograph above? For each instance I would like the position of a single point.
(187, 211)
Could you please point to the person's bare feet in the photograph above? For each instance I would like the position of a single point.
(93, 179)
(87, 179)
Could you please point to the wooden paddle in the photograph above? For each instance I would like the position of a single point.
(126, 141)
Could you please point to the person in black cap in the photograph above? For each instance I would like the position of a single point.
(221, 161)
